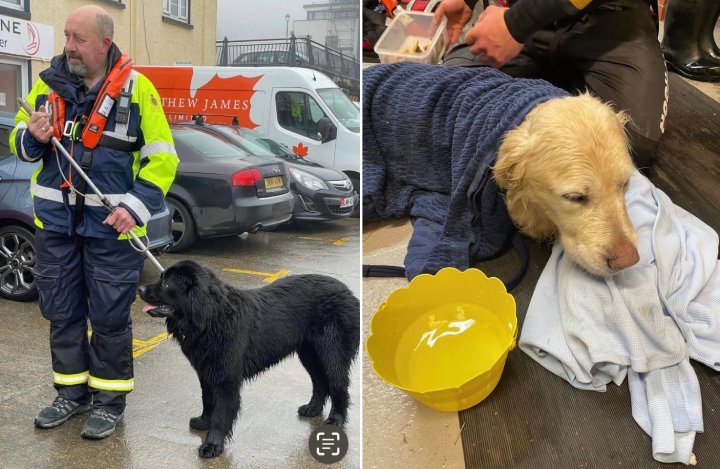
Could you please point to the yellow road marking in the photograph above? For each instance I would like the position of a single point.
(142, 346)
(269, 278)
(337, 242)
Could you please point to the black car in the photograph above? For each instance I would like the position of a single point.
(220, 190)
(17, 225)
(320, 193)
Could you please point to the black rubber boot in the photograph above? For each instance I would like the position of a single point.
(708, 46)
(59, 412)
(685, 22)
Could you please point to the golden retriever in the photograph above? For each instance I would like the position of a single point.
(565, 170)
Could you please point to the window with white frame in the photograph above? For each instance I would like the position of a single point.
(176, 9)
(16, 4)
(13, 83)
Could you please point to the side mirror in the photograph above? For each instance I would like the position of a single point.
(327, 131)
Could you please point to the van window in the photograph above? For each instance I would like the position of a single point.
(298, 112)
(346, 112)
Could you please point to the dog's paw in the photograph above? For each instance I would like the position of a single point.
(210, 450)
(200, 423)
(335, 419)
(309, 411)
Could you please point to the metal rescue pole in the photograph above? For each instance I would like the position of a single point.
(138, 244)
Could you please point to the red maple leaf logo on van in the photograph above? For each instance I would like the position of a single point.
(300, 150)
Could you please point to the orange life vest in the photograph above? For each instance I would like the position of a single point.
(93, 125)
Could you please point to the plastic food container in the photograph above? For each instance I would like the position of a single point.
(413, 31)
(444, 339)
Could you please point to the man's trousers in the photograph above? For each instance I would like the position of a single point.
(81, 279)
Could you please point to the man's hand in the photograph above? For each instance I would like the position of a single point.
(121, 220)
(490, 39)
(457, 13)
(39, 125)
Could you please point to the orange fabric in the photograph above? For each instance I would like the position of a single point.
(96, 122)
(57, 114)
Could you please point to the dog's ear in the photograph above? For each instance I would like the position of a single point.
(509, 168)
(196, 310)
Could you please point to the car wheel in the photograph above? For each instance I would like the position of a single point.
(17, 258)
(183, 226)
(356, 187)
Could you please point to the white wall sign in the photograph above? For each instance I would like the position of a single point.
(25, 38)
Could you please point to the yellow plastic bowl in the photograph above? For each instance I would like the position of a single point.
(444, 338)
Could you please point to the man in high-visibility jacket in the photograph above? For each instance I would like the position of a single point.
(110, 119)
(609, 47)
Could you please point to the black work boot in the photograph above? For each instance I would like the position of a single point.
(686, 49)
(100, 424)
(59, 412)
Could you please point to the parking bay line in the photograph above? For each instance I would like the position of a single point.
(337, 242)
(142, 346)
(269, 278)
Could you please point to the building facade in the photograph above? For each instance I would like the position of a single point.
(152, 32)
(335, 23)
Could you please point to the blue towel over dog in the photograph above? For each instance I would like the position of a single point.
(430, 137)
(645, 322)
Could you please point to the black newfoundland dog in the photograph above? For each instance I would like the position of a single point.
(230, 335)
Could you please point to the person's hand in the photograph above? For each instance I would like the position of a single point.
(490, 39)
(39, 125)
(457, 13)
(121, 220)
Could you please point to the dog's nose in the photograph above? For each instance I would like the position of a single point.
(622, 256)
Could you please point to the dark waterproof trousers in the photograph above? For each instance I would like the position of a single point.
(89, 278)
(610, 49)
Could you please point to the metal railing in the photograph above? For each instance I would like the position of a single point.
(292, 51)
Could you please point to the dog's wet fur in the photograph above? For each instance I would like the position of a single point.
(230, 335)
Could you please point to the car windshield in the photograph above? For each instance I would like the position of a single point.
(261, 146)
(211, 146)
(340, 105)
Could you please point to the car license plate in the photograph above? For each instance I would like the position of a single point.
(347, 202)
(273, 182)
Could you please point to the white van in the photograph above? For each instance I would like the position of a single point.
(298, 107)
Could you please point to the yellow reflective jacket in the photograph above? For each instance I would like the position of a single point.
(133, 166)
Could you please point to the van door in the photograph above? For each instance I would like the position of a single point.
(295, 116)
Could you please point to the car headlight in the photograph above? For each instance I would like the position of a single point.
(308, 180)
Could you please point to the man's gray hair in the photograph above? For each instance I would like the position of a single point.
(105, 24)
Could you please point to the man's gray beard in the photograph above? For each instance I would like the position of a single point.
(79, 69)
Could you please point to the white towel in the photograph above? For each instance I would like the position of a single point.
(645, 322)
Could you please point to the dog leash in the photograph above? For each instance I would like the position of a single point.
(135, 241)
(519, 246)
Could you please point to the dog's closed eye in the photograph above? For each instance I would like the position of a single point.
(576, 197)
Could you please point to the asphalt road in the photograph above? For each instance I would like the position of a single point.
(155, 431)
